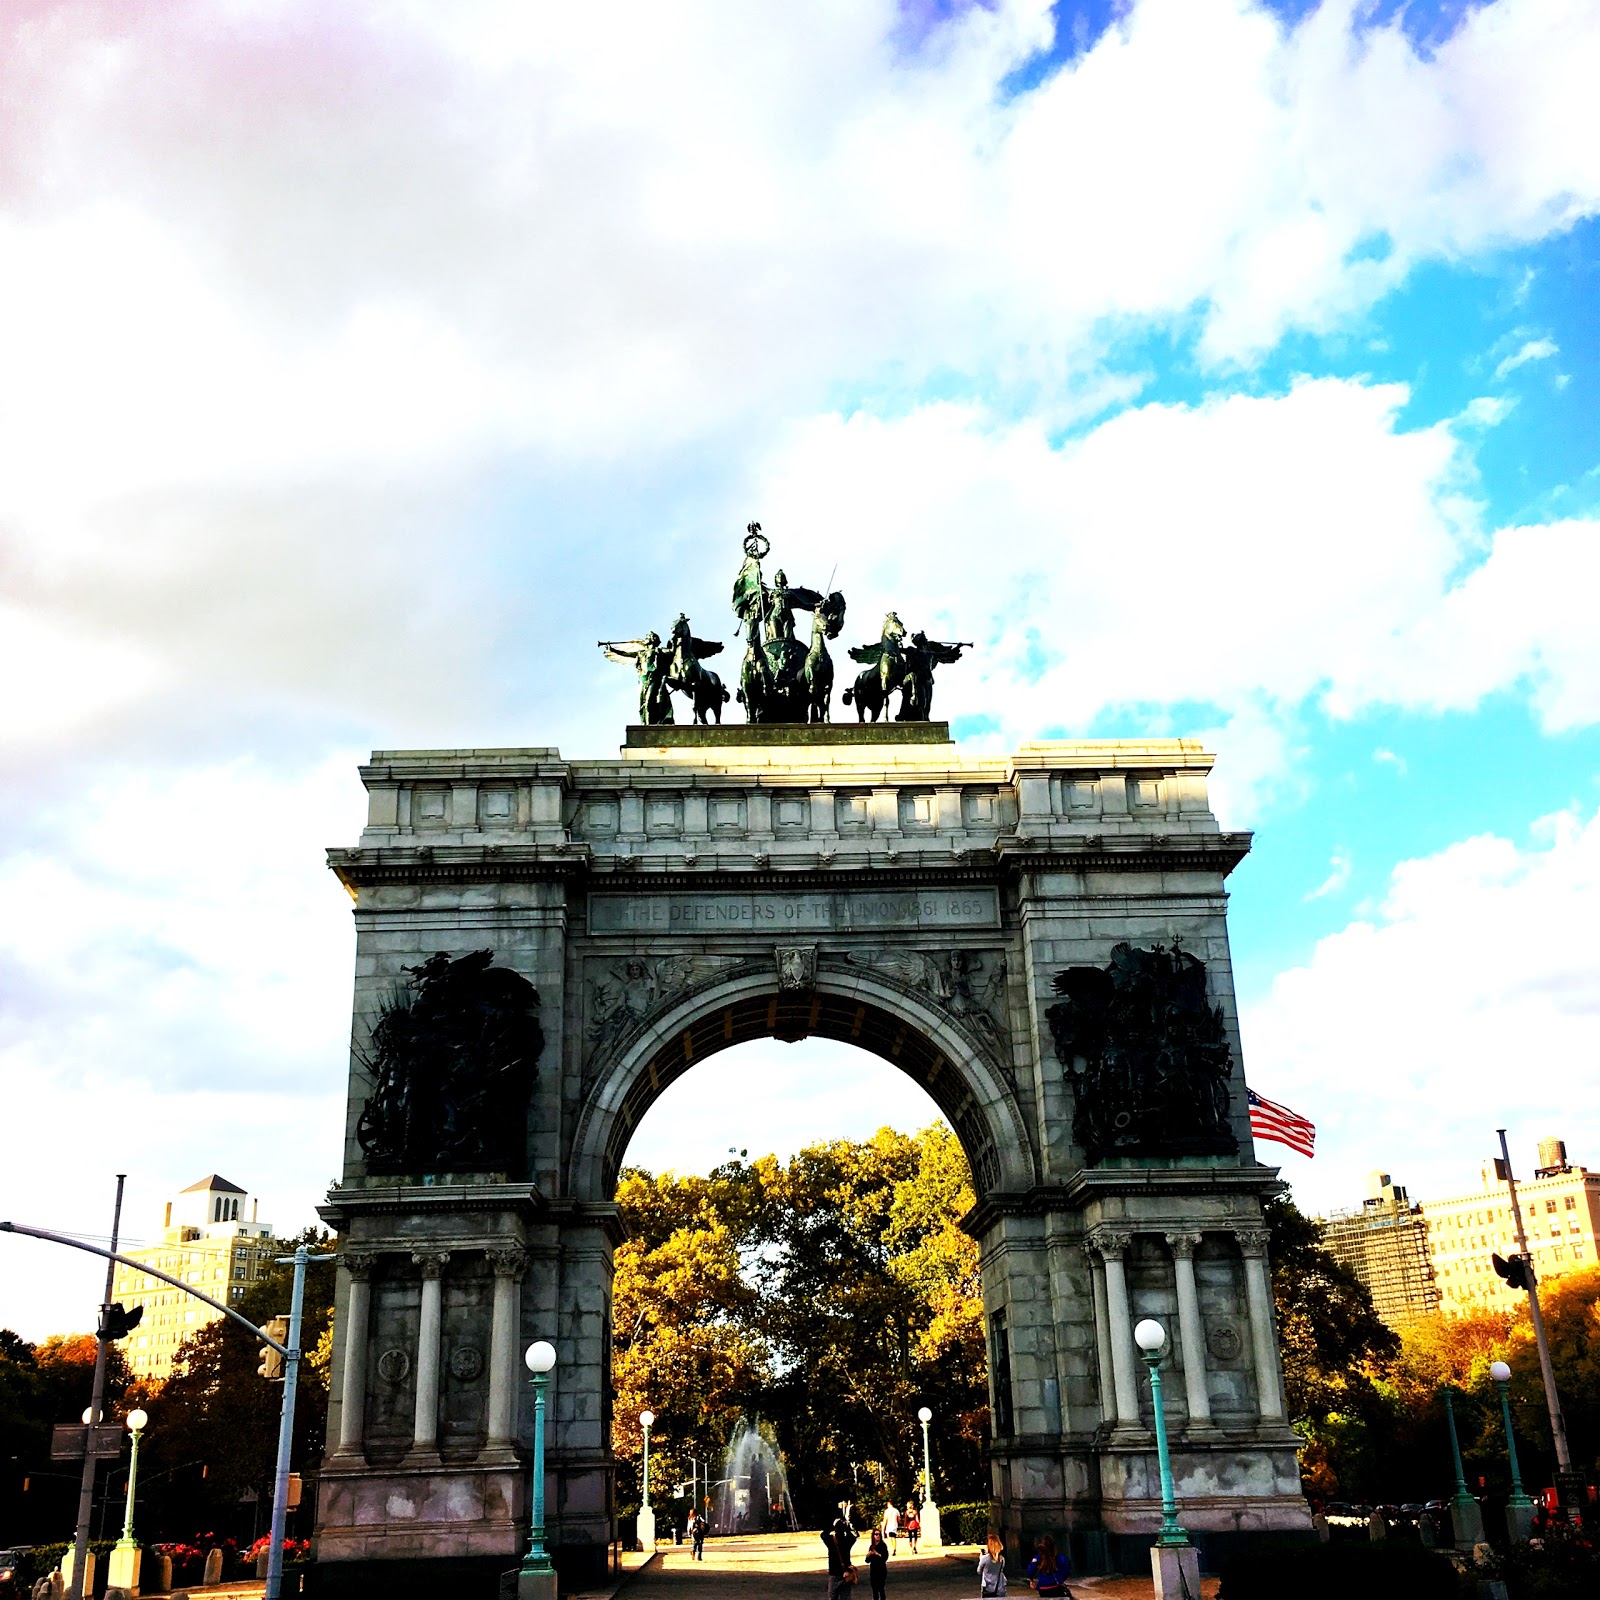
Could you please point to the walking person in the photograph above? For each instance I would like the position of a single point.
(699, 1534)
(1047, 1572)
(992, 1568)
(912, 1525)
(891, 1527)
(878, 1563)
(840, 1540)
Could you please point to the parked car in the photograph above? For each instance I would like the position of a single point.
(12, 1585)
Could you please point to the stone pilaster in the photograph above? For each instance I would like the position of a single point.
(1102, 1337)
(353, 1388)
(1263, 1346)
(505, 1360)
(1112, 1246)
(1191, 1330)
(425, 1431)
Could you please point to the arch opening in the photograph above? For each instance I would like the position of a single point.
(821, 1297)
(846, 1017)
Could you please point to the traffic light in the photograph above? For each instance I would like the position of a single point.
(118, 1323)
(271, 1366)
(1518, 1271)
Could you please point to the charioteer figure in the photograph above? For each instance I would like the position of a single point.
(780, 679)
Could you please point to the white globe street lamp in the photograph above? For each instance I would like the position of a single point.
(125, 1553)
(537, 1577)
(930, 1536)
(647, 1517)
(1519, 1507)
(1174, 1564)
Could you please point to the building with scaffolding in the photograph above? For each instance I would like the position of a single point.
(1384, 1242)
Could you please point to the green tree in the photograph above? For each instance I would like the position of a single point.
(830, 1297)
(1337, 1356)
(683, 1341)
(213, 1432)
(41, 1385)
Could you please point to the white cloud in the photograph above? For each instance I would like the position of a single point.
(175, 971)
(281, 297)
(1532, 350)
(1291, 549)
(420, 233)
(1339, 869)
(1469, 1002)
(1388, 758)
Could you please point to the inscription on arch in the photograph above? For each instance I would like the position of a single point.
(702, 911)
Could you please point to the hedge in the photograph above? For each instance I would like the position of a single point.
(1269, 1570)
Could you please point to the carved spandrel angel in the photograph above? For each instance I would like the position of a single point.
(634, 991)
(970, 985)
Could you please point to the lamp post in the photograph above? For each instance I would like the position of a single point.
(1466, 1516)
(647, 1517)
(537, 1578)
(930, 1538)
(124, 1573)
(1519, 1508)
(1174, 1562)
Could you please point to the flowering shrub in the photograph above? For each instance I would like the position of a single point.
(293, 1549)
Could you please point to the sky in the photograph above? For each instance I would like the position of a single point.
(1222, 368)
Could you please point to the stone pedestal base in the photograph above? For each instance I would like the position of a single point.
(536, 1586)
(1175, 1572)
(67, 1570)
(123, 1573)
(931, 1539)
(406, 1514)
(647, 1529)
(1519, 1523)
(1466, 1523)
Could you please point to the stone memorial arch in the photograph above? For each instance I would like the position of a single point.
(545, 944)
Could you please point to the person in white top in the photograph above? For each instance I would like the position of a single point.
(992, 1568)
(891, 1526)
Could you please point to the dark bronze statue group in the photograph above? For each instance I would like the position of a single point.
(782, 679)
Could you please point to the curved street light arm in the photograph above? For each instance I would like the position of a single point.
(145, 1267)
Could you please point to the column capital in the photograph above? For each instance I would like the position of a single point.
(508, 1260)
(431, 1262)
(358, 1263)
(1252, 1241)
(1183, 1245)
(1110, 1241)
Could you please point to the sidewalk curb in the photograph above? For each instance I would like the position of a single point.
(623, 1578)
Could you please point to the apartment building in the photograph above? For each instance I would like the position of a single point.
(1560, 1211)
(212, 1238)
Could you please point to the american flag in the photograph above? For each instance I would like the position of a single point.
(1283, 1126)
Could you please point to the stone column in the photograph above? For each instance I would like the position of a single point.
(1102, 1336)
(505, 1360)
(353, 1383)
(1258, 1295)
(1119, 1322)
(1191, 1331)
(425, 1431)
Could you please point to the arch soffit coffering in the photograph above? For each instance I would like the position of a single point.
(969, 1087)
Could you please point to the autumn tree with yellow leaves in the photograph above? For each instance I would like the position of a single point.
(830, 1296)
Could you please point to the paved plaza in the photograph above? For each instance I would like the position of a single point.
(783, 1565)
